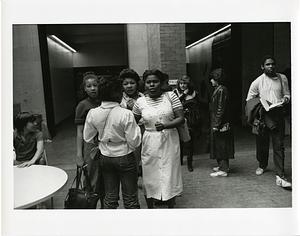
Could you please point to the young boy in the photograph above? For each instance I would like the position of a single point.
(28, 140)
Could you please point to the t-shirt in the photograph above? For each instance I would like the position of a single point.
(83, 108)
(270, 89)
(25, 147)
(154, 102)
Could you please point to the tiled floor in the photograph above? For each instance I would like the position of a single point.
(241, 189)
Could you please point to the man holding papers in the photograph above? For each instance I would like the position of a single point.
(273, 91)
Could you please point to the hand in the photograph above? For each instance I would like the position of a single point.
(130, 104)
(215, 130)
(79, 160)
(159, 126)
(26, 164)
(285, 100)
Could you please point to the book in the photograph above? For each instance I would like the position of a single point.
(268, 105)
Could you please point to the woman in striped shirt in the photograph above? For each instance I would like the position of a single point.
(161, 112)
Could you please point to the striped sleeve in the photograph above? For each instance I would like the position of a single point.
(176, 104)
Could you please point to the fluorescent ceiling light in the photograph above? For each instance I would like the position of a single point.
(62, 43)
(208, 36)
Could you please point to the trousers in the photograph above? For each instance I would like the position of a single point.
(120, 170)
(262, 147)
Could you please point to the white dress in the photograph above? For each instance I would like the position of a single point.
(160, 151)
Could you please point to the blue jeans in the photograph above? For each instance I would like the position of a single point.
(122, 170)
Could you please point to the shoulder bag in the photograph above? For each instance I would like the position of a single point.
(183, 130)
(78, 197)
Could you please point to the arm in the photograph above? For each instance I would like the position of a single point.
(253, 90)
(132, 131)
(137, 112)
(79, 146)
(178, 113)
(37, 155)
(89, 130)
(222, 97)
(285, 88)
(178, 120)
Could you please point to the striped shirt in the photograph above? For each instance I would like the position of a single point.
(155, 102)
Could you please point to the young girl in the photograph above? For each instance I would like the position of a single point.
(190, 101)
(86, 151)
(28, 140)
(130, 82)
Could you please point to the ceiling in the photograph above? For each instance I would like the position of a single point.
(78, 34)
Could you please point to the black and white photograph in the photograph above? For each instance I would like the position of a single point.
(144, 126)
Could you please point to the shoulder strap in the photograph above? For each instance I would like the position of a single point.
(106, 121)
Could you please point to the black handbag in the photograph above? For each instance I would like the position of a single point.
(78, 197)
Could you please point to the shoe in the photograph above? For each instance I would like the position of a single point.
(217, 168)
(190, 168)
(259, 171)
(283, 182)
(219, 173)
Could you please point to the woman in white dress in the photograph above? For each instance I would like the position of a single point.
(161, 112)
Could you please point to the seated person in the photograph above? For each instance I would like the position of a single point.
(28, 140)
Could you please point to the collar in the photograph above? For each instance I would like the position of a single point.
(93, 100)
(272, 78)
(126, 97)
(106, 104)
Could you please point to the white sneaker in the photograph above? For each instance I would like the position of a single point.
(282, 182)
(218, 168)
(259, 171)
(219, 173)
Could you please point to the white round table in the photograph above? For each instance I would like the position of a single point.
(36, 184)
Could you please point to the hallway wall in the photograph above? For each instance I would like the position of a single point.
(62, 81)
(98, 54)
(28, 93)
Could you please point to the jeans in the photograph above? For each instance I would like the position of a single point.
(122, 170)
(262, 148)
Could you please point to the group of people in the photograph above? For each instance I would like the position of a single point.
(124, 134)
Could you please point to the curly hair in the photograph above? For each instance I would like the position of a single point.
(129, 73)
(160, 75)
(110, 89)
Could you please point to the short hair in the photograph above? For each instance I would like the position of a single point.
(160, 75)
(21, 120)
(129, 73)
(110, 89)
(266, 57)
(190, 84)
(218, 74)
